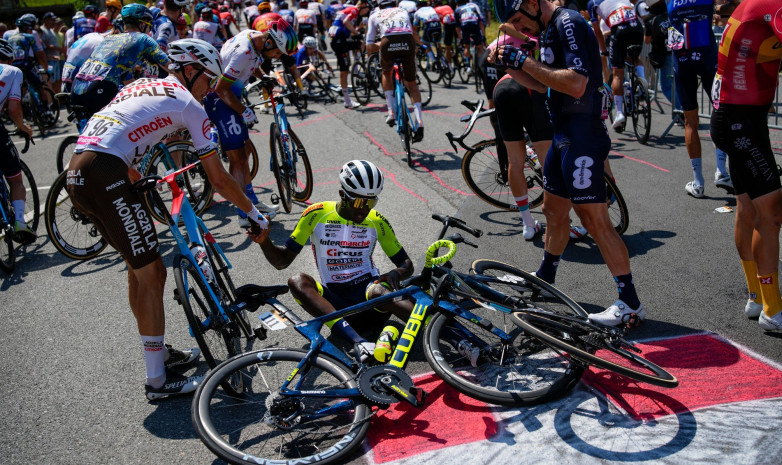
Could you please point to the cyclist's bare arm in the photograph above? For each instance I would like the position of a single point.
(224, 183)
(223, 90)
(16, 115)
(279, 257)
(526, 80)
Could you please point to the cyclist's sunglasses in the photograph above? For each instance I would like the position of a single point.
(212, 79)
(148, 26)
(358, 202)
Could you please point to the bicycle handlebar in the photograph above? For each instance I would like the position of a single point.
(27, 139)
(450, 221)
(477, 112)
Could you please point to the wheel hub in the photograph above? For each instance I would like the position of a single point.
(283, 412)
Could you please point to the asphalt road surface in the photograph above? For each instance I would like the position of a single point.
(73, 372)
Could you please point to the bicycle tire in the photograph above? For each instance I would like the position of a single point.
(50, 121)
(32, 203)
(406, 133)
(571, 336)
(7, 251)
(199, 191)
(483, 174)
(375, 73)
(642, 113)
(301, 191)
(427, 67)
(220, 420)
(446, 76)
(617, 207)
(71, 232)
(277, 150)
(478, 80)
(359, 81)
(225, 285)
(65, 152)
(425, 87)
(464, 74)
(218, 340)
(252, 159)
(295, 98)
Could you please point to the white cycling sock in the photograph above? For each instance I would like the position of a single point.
(639, 71)
(346, 95)
(419, 113)
(619, 104)
(18, 210)
(154, 353)
(390, 101)
(722, 158)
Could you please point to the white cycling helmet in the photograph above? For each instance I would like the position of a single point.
(310, 42)
(6, 50)
(188, 51)
(179, 3)
(361, 177)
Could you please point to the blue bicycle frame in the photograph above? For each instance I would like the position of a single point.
(400, 103)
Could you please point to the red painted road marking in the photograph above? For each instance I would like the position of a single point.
(640, 161)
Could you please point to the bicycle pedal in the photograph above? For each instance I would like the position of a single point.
(275, 199)
(260, 333)
(632, 320)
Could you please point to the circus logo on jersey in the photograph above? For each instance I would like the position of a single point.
(206, 128)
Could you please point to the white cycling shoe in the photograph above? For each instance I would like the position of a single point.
(616, 314)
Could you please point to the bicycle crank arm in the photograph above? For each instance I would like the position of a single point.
(415, 396)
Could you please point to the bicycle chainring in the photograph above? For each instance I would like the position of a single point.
(369, 383)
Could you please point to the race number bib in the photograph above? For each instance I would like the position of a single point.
(621, 15)
(715, 91)
(606, 99)
(93, 71)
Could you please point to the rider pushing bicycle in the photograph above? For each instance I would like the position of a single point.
(343, 236)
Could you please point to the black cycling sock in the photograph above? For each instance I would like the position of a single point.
(343, 329)
(626, 288)
(548, 267)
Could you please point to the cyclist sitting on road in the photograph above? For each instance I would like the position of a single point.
(111, 63)
(470, 25)
(626, 30)
(392, 24)
(343, 236)
(344, 39)
(29, 54)
(99, 184)
(242, 56)
(11, 92)
(573, 172)
(308, 57)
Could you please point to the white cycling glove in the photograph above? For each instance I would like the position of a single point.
(256, 216)
(249, 116)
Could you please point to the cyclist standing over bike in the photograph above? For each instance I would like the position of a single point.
(111, 63)
(427, 20)
(745, 86)
(344, 39)
(165, 30)
(305, 20)
(99, 184)
(448, 21)
(343, 236)
(29, 53)
(470, 26)
(242, 57)
(626, 30)
(694, 56)
(11, 91)
(392, 24)
(85, 24)
(571, 69)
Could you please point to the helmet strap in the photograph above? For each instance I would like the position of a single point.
(536, 18)
(189, 82)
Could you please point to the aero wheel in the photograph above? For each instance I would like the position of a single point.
(279, 161)
(65, 152)
(300, 175)
(32, 204)
(71, 232)
(482, 172)
(7, 252)
(642, 113)
(425, 86)
(218, 339)
(617, 208)
(265, 426)
(360, 83)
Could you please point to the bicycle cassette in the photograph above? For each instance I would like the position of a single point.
(376, 384)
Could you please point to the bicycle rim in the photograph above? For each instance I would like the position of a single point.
(425, 87)
(300, 174)
(617, 208)
(642, 113)
(32, 204)
(65, 152)
(375, 74)
(278, 167)
(217, 339)
(253, 159)
(482, 173)
(72, 233)
(464, 76)
(358, 79)
(50, 121)
(263, 427)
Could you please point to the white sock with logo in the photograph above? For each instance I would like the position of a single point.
(419, 113)
(619, 102)
(18, 210)
(390, 101)
(346, 95)
(154, 354)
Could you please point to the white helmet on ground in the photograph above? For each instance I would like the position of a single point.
(361, 177)
(189, 51)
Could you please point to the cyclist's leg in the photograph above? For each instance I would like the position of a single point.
(12, 169)
(387, 82)
(342, 51)
(686, 72)
(448, 38)
(617, 51)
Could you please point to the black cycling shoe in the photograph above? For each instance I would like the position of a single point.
(175, 385)
(419, 134)
(181, 358)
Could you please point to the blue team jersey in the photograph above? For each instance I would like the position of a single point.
(302, 58)
(570, 43)
(115, 57)
(82, 27)
(468, 14)
(23, 45)
(332, 10)
(287, 15)
(692, 18)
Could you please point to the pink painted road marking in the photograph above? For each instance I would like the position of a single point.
(641, 161)
(377, 143)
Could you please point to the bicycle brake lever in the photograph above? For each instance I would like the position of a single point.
(450, 139)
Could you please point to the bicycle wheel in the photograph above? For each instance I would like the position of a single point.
(375, 73)
(295, 98)
(642, 113)
(65, 152)
(428, 68)
(300, 174)
(360, 83)
(264, 426)
(584, 342)
(194, 182)
(218, 340)
(7, 251)
(32, 204)
(478, 80)
(72, 233)
(405, 133)
(463, 70)
(279, 157)
(425, 87)
(445, 73)
(617, 207)
(486, 177)
(225, 285)
(49, 120)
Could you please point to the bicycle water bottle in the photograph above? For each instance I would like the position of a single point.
(628, 91)
(199, 253)
(384, 346)
(533, 156)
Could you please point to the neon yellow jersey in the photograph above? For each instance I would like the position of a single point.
(343, 249)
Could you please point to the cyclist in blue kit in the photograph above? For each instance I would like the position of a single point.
(570, 68)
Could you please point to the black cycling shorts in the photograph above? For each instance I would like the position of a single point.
(9, 156)
(622, 36)
(432, 33)
(490, 73)
(519, 109)
(342, 48)
(449, 34)
(742, 132)
(306, 30)
(99, 187)
(688, 66)
(398, 47)
(345, 295)
(471, 35)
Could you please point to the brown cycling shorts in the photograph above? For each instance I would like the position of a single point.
(400, 47)
(99, 187)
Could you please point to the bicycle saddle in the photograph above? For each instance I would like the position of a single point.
(254, 295)
(147, 183)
